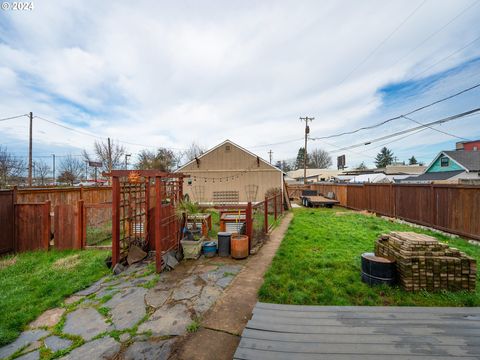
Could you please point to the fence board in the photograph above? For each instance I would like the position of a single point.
(7, 213)
(415, 203)
(32, 226)
(68, 227)
(380, 198)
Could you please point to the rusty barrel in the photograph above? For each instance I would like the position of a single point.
(239, 246)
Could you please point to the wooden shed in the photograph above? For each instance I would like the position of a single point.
(228, 174)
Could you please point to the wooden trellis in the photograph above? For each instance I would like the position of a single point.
(143, 212)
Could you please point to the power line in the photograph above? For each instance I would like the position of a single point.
(441, 121)
(399, 116)
(438, 130)
(13, 117)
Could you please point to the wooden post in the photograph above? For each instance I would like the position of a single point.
(249, 226)
(80, 227)
(275, 206)
(81, 192)
(115, 221)
(147, 210)
(265, 221)
(158, 226)
(47, 228)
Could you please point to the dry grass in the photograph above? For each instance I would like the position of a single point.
(67, 263)
(4, 263)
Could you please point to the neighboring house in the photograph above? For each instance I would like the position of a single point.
(458, 166)
(313, 175)
(229, 173)
(468, 145)
(388, 174)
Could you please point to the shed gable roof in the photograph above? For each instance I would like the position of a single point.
(229, 142)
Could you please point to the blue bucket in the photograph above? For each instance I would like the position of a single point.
(209, 248)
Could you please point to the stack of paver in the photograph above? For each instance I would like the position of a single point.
(424, 263)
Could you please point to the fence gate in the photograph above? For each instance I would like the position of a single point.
(143, 212)
(7, 221)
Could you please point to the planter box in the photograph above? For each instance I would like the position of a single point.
(191, 249)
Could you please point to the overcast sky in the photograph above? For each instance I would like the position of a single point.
(166, 73)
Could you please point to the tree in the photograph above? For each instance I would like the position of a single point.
(194, 150)
(41, 171)
(284, 165)
(412, 161)
(71, 170)
(111, 157)
(300, 158)
(319, 159)
(361, 166)
(10, 167)
(163, 159)
(384, 158)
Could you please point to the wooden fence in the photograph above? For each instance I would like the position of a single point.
(27, 216)
(452, 208)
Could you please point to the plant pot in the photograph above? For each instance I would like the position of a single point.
(239, 246)
(191, 249)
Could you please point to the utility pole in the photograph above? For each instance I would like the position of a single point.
(270, 153)
(126, 160)
(305, 156)
(53, 168)
(109, 156)
(30, 151)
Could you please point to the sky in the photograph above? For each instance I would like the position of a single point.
(154, 74)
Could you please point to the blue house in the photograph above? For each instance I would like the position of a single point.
(450, 167)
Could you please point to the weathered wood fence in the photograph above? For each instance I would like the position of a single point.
(452, 208)
(31, 218)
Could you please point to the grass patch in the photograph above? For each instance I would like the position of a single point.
(37, 281)
(318, 263)
(193, 326)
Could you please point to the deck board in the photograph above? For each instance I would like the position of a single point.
(336, 333)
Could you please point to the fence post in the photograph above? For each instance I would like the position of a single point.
(281, 204)
(115, 221)
(158, 226)
(275, 206)
(47, 228)
(80, 227)
(249, 225)
(265, 220)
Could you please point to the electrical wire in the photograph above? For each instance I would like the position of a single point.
(399, 116)
(438, 130)
(441, 121)
(13, 117)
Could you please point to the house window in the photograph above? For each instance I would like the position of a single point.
(444, 161)
(227, 148)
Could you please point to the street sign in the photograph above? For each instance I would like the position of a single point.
(95, 164)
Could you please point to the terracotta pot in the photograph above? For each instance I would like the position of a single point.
(239, 246)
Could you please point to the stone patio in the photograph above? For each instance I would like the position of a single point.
(135, 315)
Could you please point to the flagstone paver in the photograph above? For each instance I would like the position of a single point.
(85, 322)
(55, 343)
(147, 350)
(127, 308)
(34, 355)
(25, 338)
(100, 349)
(48, 318)
(168, 321)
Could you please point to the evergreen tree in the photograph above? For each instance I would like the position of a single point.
(361, 166)
(384, 158)
(412, 161)
(300, 158)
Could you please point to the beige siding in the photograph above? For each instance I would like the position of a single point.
(246, 171)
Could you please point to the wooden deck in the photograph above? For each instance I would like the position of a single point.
(360, 332)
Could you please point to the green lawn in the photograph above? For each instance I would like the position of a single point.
(318, 263)
(33, 282)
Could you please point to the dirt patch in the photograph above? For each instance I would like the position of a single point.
(67, 263)
(7, 262)
(360, 212)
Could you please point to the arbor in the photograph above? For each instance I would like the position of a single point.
(163, 159)
(384, 158)
(70, 170)
(412, 161)
(300, 158)
(41, 171)
(10, 167)
(319, 159)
